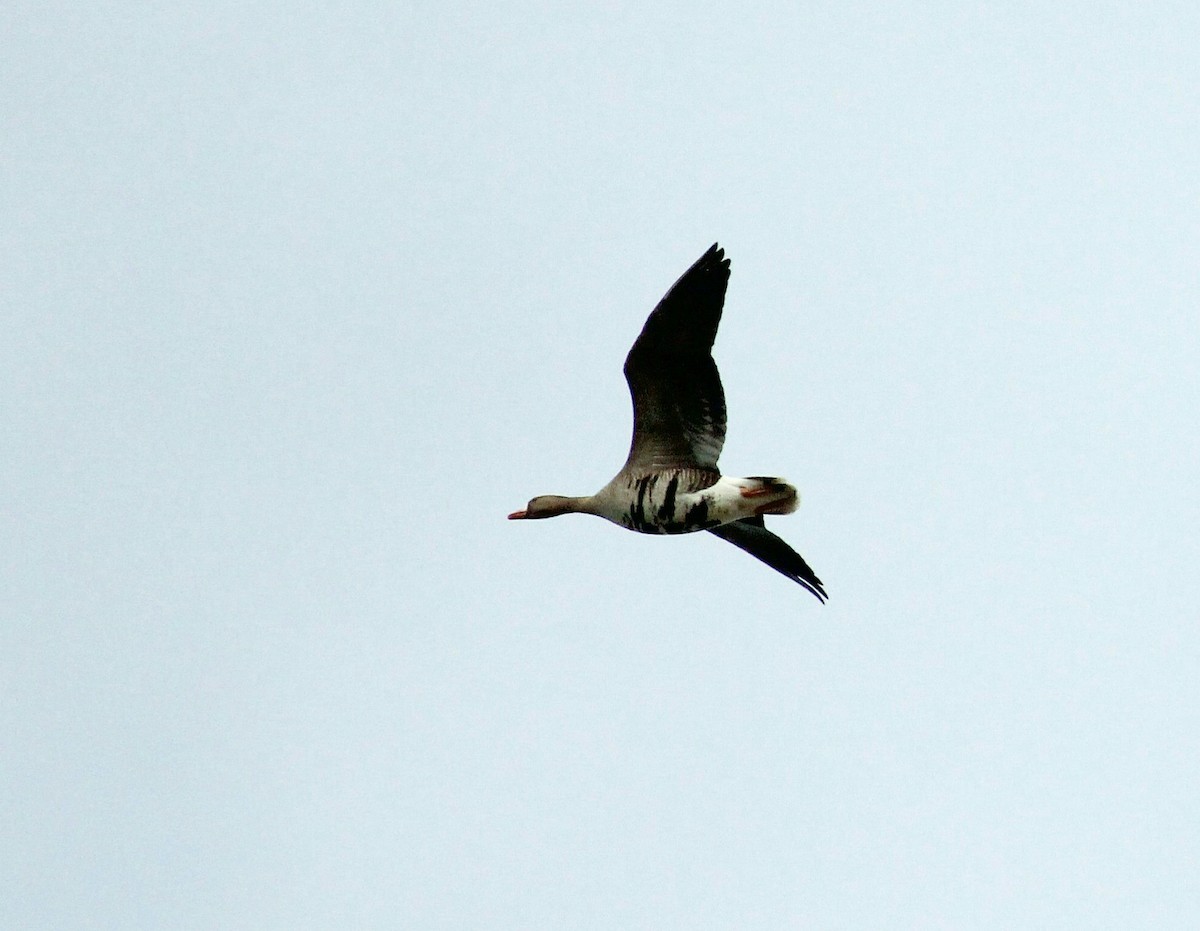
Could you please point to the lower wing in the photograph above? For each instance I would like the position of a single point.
(752, 536)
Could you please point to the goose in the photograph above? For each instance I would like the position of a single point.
(670, 482)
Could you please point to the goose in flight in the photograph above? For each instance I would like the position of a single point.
(670, 483)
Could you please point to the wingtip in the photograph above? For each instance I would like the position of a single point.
(817, 590)
(715, 254)
(810, 581)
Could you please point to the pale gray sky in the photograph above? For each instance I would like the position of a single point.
(299, 301)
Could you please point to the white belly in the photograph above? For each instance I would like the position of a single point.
(654, 504)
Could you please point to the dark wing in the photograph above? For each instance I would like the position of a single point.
(678, 404)
(752, 535)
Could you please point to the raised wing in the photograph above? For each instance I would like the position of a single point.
(678, 403)
(752, 535)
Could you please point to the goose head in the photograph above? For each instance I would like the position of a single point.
(550, 506)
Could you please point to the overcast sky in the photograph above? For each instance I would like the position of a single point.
(300, 300)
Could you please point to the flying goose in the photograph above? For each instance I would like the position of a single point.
(670, 483)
